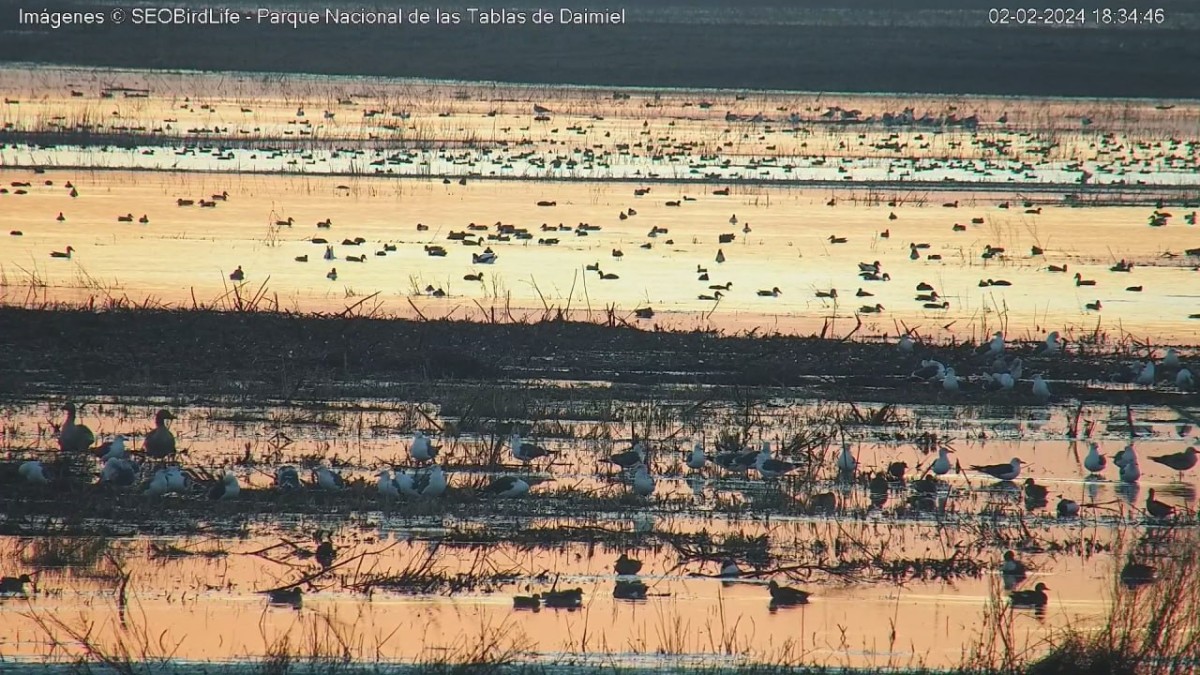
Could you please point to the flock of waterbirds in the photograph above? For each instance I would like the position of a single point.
(481, 239)
(153, 470)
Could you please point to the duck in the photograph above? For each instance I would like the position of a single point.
(837, 240)
(1034, 493)
(786, 595)
(1158, 509)
(74, 437)
(63, 254)
(773, 293)
(1035, 598)
(1094, 306)
(160, 442)
(527, 602)
(1067, 508)
(14, 585)
(730, 569)
(869, 309)
(716, 295)
(332, 274)
(237, 275)
(61, 218)
(571, 598)
(1080, 281)
(286, 596)
(864, 294)
(302, 258)
(1011, 567)
(1004, 472)
(626, 566)
(1135, 574)
(127, 218)
(831, 293)
(225, 489)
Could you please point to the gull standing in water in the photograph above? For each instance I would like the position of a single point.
(1003, 472)
(697, 459)
(643, 482)
(769, 467)
(846, 463)
(941, 466)
(1094, 462)
(1180, 461)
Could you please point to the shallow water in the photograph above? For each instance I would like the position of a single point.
(212, 607)
(186, 254)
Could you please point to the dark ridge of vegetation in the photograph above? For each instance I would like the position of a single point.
(816, 45)
(301, 357)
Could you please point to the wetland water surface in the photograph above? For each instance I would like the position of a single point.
(415, 580)
(946, 218)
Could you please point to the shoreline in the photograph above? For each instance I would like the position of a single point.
(212, 351)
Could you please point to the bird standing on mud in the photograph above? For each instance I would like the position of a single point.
(527, 452)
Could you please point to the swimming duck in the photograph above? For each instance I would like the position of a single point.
(786, 595)
(1035, 598)
(627, 566)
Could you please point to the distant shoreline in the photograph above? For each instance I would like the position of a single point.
(747, 46)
